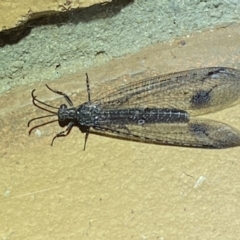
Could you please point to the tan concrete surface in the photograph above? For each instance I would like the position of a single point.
(14, 13)
(119, 189)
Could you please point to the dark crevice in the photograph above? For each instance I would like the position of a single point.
(74, 16)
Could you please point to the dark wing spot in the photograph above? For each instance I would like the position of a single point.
(201, 98)
(199, 129)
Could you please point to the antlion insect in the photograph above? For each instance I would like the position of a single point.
(161, 109)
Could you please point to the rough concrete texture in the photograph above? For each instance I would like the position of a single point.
(62, 44)
(14, 13)
(119, 189)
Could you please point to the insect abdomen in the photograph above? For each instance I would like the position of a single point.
(141, 116)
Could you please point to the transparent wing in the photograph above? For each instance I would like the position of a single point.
(196, 133)
(197, 91)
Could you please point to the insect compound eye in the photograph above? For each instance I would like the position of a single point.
(61, 112)
(63, 106)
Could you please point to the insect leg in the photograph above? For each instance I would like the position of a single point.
(61, 93)
(64, 133)
(88, 88)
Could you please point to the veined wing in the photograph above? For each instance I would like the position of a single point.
(197, 91)
(203, 133)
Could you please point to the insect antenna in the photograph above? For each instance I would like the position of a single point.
(35, 102)
(33, 119)
(40, 125)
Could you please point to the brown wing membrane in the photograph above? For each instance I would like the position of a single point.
(195, 133)
(197, 91)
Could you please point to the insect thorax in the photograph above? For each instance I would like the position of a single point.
(87, 113)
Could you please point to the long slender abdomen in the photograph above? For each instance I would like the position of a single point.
(141, 116)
